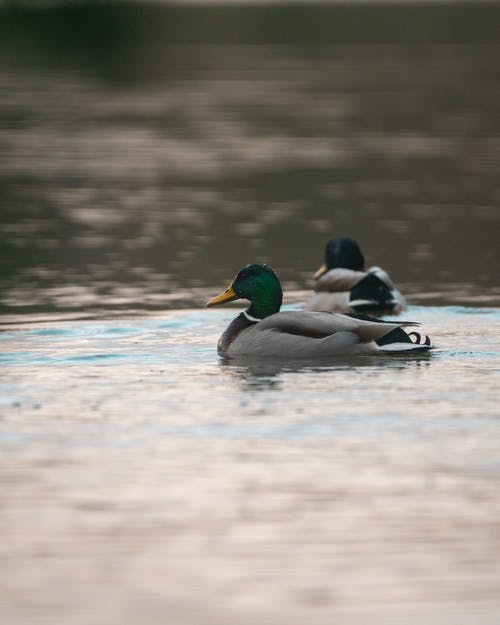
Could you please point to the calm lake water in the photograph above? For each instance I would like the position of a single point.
(146, 154)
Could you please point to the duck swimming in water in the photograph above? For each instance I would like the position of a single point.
(343, 284)
(263, 331)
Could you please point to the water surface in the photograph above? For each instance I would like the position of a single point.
(149, 478)
(146, 154)
(148, 151)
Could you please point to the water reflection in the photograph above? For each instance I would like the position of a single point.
(150, 156)
(359, 485)
(265, 374)
(148, 151)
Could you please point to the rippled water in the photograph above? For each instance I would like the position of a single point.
(149, 152)
(146, 154)
(152, 481)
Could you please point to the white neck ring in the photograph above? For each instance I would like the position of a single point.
(250, 318)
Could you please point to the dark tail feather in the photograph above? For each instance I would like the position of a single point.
(398, 340)
(371, 294)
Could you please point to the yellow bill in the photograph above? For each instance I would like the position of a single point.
(322, 270)
(227, 296)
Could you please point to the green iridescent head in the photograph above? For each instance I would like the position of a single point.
(257, 283)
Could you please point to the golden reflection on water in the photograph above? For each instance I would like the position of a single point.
(145, 479)
(145, 156)
(127, 188)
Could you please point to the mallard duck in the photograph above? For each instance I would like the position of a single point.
(343, 284)
(262, 330)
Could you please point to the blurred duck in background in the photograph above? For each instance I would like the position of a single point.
(263, 331)
(344, 285)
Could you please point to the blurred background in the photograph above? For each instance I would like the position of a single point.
(149, 150)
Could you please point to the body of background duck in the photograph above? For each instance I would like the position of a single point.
(263, 331)
(343, 285)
